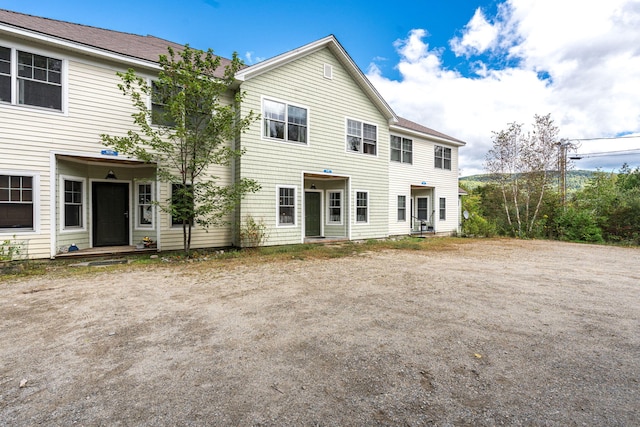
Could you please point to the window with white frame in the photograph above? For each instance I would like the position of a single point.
(442, 156)
(361, 137)
(38, 79)
(73, 195)
(145, 205)
(402, 208)
(362, 206)
(286, 205)
(17, 209)
(5, 74)
(401, 149)
(443, 209)
(284, 121)
(334, 207)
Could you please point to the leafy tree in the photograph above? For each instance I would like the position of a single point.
(521, 165)
(187, 132)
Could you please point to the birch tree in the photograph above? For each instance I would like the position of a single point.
(523, 165)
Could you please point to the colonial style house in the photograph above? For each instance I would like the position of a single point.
(332, 158)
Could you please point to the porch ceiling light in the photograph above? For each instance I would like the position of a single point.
(111, 175)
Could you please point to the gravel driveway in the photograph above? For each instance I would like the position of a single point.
(477, 332)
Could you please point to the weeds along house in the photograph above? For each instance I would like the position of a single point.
(332, 158)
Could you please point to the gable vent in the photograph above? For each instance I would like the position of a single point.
(328, 71)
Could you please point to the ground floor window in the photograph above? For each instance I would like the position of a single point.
(334, 207)
(73, 194)
(443, 208)
(362, 206)
(286, 205)
(181, 204)
(402, 208)
(145, 205)
(16, 202)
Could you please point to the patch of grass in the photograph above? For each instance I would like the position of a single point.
(230, 258)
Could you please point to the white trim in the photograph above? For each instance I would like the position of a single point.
(286, 103)
(75, 46)
(328, 207)
(136, 205)
(13, 74)
(61, 203)
(295, 206)
(35, 199)
(425, 136)
(362, 123)
(355, 204)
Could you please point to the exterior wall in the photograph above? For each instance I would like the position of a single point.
(273, 163)
(36, 141)
(434, 183)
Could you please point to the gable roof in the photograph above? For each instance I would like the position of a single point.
(336, 48)
(404, 125)
(91, 40)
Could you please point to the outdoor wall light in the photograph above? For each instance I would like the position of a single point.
(110, 175)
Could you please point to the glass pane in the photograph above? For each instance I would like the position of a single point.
(274, 110)
(274, 129)
(17, 215)
(4, 195)
(15, 195)
(297, 133)
(40, 94)
(54, 77)
(4, 181)
(72, 216)
(5, 88)
(297, 115)
(353, 143)
(25, 58)
(39, 61)
(16, 182)
(369, 132)
(407, 158)
(5, 54)
(5, 67)
(354, 128)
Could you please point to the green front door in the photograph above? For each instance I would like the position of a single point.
(311, 214)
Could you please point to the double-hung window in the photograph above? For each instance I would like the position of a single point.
(361, 137)
(284, 121)
(362, 206)
(145, 205)
(443, 209)
(286, 205)
(402, 208)
(73, 194)
(334, 207)
(16, 202)
(401, 149)
(38, 79)
(442, 156)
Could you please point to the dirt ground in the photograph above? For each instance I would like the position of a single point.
(479, 332)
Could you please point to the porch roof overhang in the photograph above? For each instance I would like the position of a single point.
(422, 187)
(103, 160)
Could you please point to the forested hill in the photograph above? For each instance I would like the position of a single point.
(576, 179)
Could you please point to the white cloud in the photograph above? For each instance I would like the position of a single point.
(479, 36)
(591, 56)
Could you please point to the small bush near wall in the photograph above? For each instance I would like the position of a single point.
(253, 233)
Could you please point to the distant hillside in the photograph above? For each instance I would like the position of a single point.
(576, 179)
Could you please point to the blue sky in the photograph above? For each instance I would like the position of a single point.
(463, 67)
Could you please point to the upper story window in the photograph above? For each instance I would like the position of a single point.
(284, 121)
(361, 137)
(442, 157)
(38, 79)
(401, 149)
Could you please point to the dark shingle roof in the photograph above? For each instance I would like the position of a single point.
(148, 48)
(408, 124)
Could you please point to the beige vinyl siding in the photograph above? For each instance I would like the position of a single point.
(444, 183)
(329, 103)
(31, 137)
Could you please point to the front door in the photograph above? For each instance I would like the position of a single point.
(110, 213)
(422, 211)
(311, 214)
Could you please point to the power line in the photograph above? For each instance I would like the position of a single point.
(612, 137)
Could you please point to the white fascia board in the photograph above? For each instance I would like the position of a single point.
(343, 57)
(428, 136)
(75, 46)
